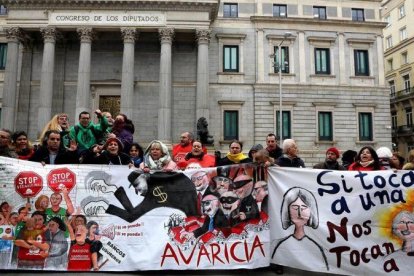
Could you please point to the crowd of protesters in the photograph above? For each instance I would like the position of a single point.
(110, 141)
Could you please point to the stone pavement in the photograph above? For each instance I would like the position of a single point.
(256, 272)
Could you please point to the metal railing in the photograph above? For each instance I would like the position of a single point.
(402, 93)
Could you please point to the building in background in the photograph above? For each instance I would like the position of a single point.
(167, 63)
(399, 70)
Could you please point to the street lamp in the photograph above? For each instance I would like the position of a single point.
(279, 65)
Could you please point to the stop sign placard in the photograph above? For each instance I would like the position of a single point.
(28, 184)
(59, 178)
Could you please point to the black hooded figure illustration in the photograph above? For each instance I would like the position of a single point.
(160, 189)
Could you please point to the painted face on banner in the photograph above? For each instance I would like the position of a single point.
(80, 233)
(405, 228)
(299, 212)
(200, 180)
(210, 205)
(229, 202)
(55, 199)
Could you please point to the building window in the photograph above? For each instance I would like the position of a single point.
(390, 64)
(322, 61)
(231, 125)
(407, 83)
(285, 124)
(230, 10)
(388, 41)
(361, 63)
(285, 60)
(3, 55)
(358, 15)
(279, 10)
(365, 126)
(409, 116)
(325, 126)
(404, 58)
(394, 120)
(392, 88)
(231, 58)
(403, 33)
(319, 12)
(401, 11)
(3, 10)
(388, 20)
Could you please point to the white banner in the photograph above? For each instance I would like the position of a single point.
(161, 224)
(347, 222)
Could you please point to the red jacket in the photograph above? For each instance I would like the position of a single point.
(179, 152)
(208, 161)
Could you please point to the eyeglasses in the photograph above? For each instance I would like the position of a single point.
(222, 179)
(194, 178)
(228, 199)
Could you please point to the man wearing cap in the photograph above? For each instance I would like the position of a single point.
(243, 187)
(330, 163)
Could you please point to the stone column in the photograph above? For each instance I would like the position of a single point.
(84, 71)
(165, 86)
(341, 58)
(127, 84)
(9, 112)
(202, 94)
(380, 58)
(46, 78)
(260, 56)
(302, 57)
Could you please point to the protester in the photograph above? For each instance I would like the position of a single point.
(348, 157)
(137, 154)
(262, 158)
(87, 134)
(384, 156)
(396, 161)
(272, 147)
(109, 154)
(123, 129)
(51, 152)
(331, 163)
(5, 144)
(253, 150)
(197, 156)
(157, 157)
(290, 156)
(410, 161)
(235, 155)
(366, 160)
(59, 122)
(22, 145)
(185, 146)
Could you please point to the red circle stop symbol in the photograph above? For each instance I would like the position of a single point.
(60, 178)
(28, 184)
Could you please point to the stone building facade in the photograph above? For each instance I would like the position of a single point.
(399, 70)
(167, 63)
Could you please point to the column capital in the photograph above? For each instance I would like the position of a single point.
(129, 34)
(14, 34)
(50, 34)
(86, 34)
(166, 34)
(203, 36)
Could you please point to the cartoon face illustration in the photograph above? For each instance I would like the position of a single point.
(403, 226)
(243, 186)
(210, 205)
(222, 184)
(229, 202)
(299, 212)
(260, 190)
(200, 180)
(55, 199)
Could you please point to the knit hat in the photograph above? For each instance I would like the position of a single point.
(384, 152)
(120, 145)
(334, 150)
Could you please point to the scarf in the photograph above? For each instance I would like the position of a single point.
(157, 164)
(236, 158)
(366, 164)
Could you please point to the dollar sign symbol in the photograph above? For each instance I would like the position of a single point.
(159, 193)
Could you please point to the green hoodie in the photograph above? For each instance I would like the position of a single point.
(89, 135)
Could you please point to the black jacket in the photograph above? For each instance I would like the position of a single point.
(296, 162)
(63, 156)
